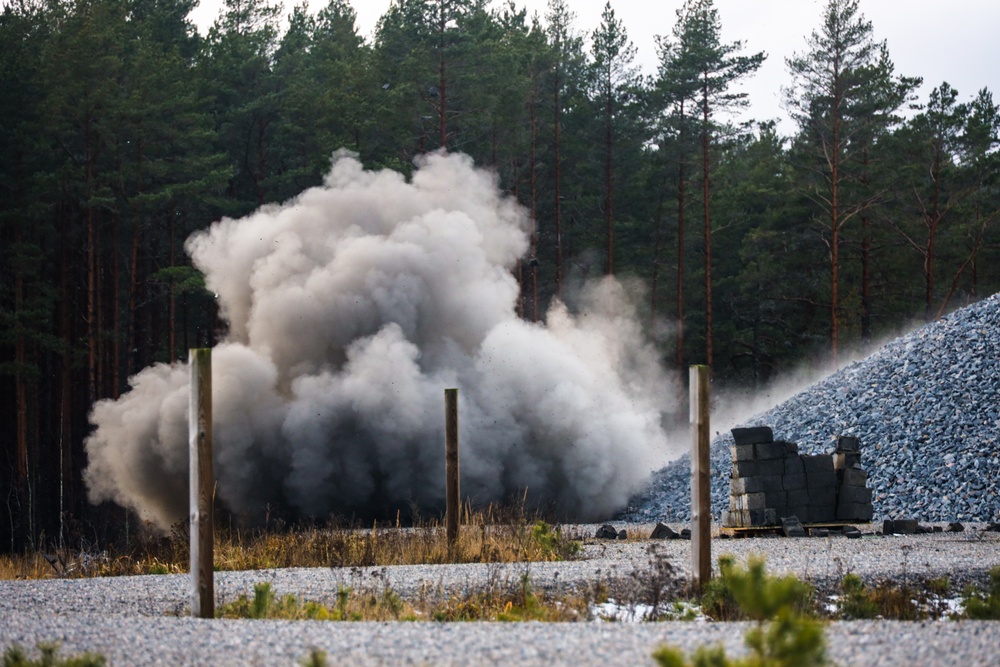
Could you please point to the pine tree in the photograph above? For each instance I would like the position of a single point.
(615, 78)
(824, 84)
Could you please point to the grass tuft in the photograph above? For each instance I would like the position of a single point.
(15, 656)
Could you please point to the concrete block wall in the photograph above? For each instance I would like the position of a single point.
(771, 480)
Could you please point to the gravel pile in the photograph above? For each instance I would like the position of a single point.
(926, 409)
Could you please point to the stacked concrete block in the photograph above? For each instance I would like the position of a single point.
(771, 481)
(854, 498)
(821, 484)
(756, 496)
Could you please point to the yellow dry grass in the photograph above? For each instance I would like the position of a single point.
(491, 535)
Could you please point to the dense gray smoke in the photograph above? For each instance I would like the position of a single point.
(351, 308)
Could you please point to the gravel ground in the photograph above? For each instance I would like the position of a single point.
(128, 619)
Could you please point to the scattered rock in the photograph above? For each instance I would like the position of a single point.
(900, 527)
(955, 527)
(607, 532)
(792, 527)
(622, 535)
(663, 532)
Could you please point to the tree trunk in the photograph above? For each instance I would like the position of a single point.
(835, 236)
(67, 495)
(932, 226)
(115, 313)
(706, 202)
(22, 467)
(171, 298)
(679, 355)
(91, 268)
(442, 80)
(533, 171)
(609, 268)
(558, 183)
(866, 302)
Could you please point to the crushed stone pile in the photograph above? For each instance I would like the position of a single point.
(925, 408)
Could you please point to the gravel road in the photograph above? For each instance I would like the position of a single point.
(128, 619)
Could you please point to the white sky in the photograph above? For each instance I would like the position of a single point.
(940, 40)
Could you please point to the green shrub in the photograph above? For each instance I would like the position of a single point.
(984, 607)
(892, 600)
(16, 657)
(552, 544)
(855, 602)
(784, 636)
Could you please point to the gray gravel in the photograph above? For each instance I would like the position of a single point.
(925, 407)
(128, 619)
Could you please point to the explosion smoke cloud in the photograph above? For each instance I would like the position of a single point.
(350, 309)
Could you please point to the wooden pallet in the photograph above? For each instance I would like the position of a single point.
(758, 531)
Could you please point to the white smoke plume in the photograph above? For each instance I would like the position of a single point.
(351, 308)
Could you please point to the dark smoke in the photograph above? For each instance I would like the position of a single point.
(351, 308)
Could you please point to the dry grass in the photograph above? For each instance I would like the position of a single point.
(492, 535)
(500, 601)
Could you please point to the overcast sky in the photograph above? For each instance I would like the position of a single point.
(940, 40)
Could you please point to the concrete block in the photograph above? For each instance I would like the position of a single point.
(792, 527)
(775, 499)
(821, 479)
(794, 482)
(848, 443)
(742, 452)
(797, 497)
(769, 450)
(853, 477)
(823, 495)
(793, 466)
(800, 511)
(854, 512)
(741, 518)
(855, 495)
(770, 468)
(822, 513)
(755, 484)
(763, 517)
(843, 460)
(817, 463)
(755, 501)
(753, 435)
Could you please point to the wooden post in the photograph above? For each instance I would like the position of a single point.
(451, 465)
(701, 498)
(201, 492)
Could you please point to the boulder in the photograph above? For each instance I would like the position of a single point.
(607, 532)
(663, 532)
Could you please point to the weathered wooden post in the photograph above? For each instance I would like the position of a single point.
(701, 497)
(200, 448)
(451, 466)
